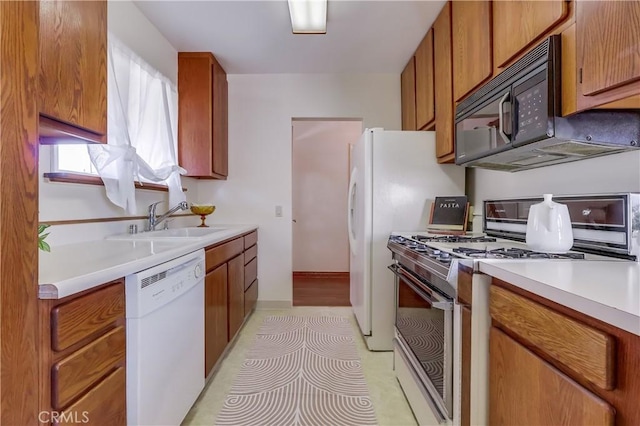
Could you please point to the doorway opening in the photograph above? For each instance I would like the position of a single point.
(320, 177)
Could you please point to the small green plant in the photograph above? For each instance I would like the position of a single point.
(42, 244)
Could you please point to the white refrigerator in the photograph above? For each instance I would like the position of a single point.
(394, 179)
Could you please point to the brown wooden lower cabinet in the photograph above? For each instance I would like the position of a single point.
(236, 294)
(526, 390)
(83, 357)
(250, 275)
(552, 365)
(215, 316)
(229, 265)
(250, 298)
(102, 405)
(71, 375)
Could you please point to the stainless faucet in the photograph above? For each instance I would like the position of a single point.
(153, 220)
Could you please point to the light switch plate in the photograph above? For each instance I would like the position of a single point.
(278, 211)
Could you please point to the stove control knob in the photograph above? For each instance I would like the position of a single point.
(444, 255)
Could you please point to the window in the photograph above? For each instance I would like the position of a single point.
(142, 132)
(72, 159)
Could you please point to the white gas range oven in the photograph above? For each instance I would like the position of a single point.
(427, 323)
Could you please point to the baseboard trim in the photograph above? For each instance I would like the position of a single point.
(273, 304)
(314, 274)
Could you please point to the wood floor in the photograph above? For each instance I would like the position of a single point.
(321, 289)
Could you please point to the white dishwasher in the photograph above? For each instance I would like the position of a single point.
(165, 340)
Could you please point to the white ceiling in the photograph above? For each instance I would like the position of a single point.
(254, 37)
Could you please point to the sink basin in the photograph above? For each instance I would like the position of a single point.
(182, 232)
(170, 234)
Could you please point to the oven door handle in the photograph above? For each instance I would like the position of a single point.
(435, 300)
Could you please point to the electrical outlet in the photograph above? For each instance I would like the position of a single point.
(278, 211)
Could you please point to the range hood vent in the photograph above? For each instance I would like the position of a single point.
(585, 135)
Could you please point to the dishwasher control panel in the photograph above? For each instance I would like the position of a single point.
(152, 288)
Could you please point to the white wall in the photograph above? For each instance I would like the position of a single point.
(59, 201)
(127, 23)
(320, 180)
(611, 173)
(260, 111)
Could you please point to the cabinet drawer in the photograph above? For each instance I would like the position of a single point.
(250, 254)
(250, 272)
(250, 298)
(587, 351)
(105, 404)
(250, 239)
(75, 320)
(77, 372)
(220, 254)
(525, 390)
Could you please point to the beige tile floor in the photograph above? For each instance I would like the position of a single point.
(388, 401)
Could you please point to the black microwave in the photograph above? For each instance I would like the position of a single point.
(513, 122)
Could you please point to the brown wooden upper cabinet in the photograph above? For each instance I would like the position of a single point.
(445, 143)
(202, 115)
(408, 94)
(608, 57)
(425, 101)
(471, 41)
(517, 24)
(73, 70)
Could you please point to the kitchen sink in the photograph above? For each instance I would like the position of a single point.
(181, 232)
(170, 234)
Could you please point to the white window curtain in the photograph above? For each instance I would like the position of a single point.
(142, 129)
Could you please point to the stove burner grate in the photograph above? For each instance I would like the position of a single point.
(453, 239)
(514, 253)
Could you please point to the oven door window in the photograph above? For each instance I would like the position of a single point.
(423, 328)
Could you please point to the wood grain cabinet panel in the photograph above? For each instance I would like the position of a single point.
(74, 374)
(569, 81)
(408, 95)
(442, 69)
(250, 239)
(202, 116)
(608, 57)
(217, 255)
(471, 41)
(250, 272)
(250, 298)
(82, 317)
(425, 100)
(73, 64)
(236, 294)
(220, 145)
(465, 290)
(215, 316)
(583, 349)
(82, 356)
(517, 24)
(105, 404)
(526, 390)
(250, 253)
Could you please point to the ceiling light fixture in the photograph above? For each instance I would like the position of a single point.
(308, 16)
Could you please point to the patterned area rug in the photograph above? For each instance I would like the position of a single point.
(300, 371)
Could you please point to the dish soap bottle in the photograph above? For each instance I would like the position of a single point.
(549, 227)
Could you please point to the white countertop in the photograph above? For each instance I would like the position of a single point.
(606, 290)
(73, 268)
